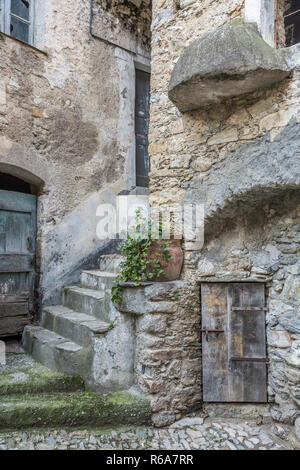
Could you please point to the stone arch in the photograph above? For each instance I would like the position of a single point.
(24, 163)
(35, 182)
(251, 174)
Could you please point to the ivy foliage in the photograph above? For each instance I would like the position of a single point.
(138, 266)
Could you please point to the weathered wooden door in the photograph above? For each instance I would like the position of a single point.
(17, 259)
(234, 342)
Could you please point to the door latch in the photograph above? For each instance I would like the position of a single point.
(206, 331)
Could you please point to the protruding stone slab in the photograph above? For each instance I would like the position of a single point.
(224, 63)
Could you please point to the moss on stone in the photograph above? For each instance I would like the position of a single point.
(76, 409)
(37, 379)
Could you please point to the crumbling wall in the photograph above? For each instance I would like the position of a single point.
(119, 16)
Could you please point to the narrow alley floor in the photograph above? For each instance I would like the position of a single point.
(187, 434)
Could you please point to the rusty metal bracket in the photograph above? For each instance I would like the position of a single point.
(206, 331)
(252, 359)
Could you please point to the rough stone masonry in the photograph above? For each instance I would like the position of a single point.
(240, 158)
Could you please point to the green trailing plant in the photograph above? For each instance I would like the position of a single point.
(137, 265)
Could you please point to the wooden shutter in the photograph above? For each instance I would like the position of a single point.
(234, 359)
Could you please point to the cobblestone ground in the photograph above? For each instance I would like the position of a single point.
(187, 434)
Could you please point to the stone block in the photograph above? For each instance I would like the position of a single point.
(161, 307)
(223, 137)
(158, 147)
(163, 418)
(165, 354)
(279, 119)
(229, 61)
(163, 290)
(279, 339)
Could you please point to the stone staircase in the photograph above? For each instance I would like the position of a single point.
(86, 335)
(32, 396)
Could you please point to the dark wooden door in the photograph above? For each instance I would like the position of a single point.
(142, 114)
(17, 259)
(234, 355)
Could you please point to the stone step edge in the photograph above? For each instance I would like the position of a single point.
(57, 340)
(105, 326)
(85, 291)
(98, 273)
(71, 409)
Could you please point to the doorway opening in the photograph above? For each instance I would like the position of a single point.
(18, 227)
(234, 362)
(12, 183)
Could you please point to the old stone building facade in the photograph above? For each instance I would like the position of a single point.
(67, 122)
(238, 155)
(224, 132)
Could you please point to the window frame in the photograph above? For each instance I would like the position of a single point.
(139, 67)
(5, 20)
(264, 15)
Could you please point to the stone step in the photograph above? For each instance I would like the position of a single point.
(110, 263)
(73, 409)
(23, 375)
(97, 279)
(78, 327)
(85, 300)
(55, 351)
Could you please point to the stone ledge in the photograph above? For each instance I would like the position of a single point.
(224, 63)
(150, 297)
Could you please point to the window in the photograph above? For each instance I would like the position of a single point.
(292, 22)
(17, 19)
(142, 110)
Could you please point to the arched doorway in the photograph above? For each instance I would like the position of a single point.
(18, 213)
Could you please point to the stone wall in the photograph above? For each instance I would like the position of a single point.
(67, 126)
(167, 354)
(240, 159)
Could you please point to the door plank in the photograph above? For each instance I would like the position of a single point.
(17, 259)
(225, 380)
(215, 350)
(247, 338)
(21, 202)
(13, 326)
(18, 297)
(16, 263)
(13, 309)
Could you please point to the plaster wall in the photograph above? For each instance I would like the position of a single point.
(67, 126)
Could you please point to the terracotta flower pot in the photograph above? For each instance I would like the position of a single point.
(173, 266)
